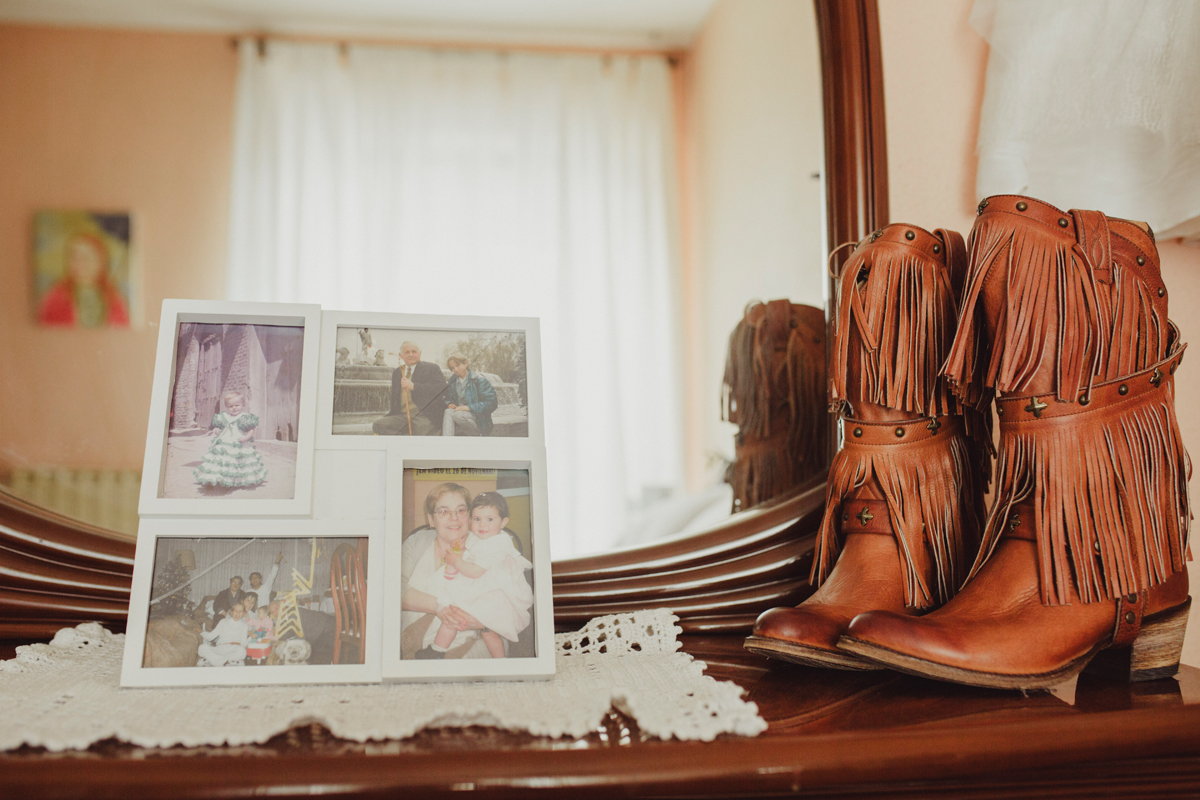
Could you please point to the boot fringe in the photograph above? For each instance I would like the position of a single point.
(762, 471)
(929, 491)
(773, 455)
(904, 311)
(746, 391)
(808, 423)
(1110, 496)
(1111, 500)
(1052, 314)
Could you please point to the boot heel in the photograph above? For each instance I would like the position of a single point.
(1154, 654)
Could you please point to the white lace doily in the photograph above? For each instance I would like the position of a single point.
(66, 695)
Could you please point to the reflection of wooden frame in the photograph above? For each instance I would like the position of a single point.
(178, 312)
(154, 530)
(715, 581)
(60, 571)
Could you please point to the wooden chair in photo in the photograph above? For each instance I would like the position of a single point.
(348, 582)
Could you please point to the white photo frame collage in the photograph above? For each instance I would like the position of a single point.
(341, 497)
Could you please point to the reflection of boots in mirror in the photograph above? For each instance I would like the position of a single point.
(774, 391)
(905, 493)
(1064, 321)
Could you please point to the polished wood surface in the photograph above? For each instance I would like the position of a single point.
(830, 733)
(856, 155)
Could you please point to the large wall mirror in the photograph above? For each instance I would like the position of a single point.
(773, 110)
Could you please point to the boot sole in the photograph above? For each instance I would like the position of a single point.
(1153, 655)
(808, 656)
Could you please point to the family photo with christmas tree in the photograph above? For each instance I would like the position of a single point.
(233, 602)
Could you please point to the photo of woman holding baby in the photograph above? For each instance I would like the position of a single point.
(466, 584)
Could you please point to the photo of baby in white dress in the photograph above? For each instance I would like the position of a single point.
(467, 565)
(234, 412)
(486, 579)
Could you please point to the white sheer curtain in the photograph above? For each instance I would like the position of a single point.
(426, 181)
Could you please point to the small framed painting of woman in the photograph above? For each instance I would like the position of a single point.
(83, 269)
(232, 410)
(468, 570)
(257, 601)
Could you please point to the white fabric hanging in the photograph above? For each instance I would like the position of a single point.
(445, 182)
(1093, 104)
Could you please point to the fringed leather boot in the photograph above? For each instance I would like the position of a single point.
(774, 390)
(1065, 322)
(904, 500)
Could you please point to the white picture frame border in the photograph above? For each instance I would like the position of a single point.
(133, 674)
(418, 454)
(175, 312)
(455, 446)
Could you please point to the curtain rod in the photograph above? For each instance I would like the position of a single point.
(673, 55)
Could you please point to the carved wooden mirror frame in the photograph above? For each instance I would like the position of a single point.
(56, 571)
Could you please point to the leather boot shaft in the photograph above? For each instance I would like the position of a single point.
(1064, 323)
(912, 465)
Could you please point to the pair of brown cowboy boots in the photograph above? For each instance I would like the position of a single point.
(1061, 320)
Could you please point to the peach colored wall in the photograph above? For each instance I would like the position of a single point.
(1181, 273)
(933, 70)
(105, 120)
(753, 154)
(933, 75)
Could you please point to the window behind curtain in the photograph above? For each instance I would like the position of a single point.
(444, 182)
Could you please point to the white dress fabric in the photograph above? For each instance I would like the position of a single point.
(225, 644)
(501, 597)
(230, 462)
(1092, 104)
(452, 182)
(420, 569)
